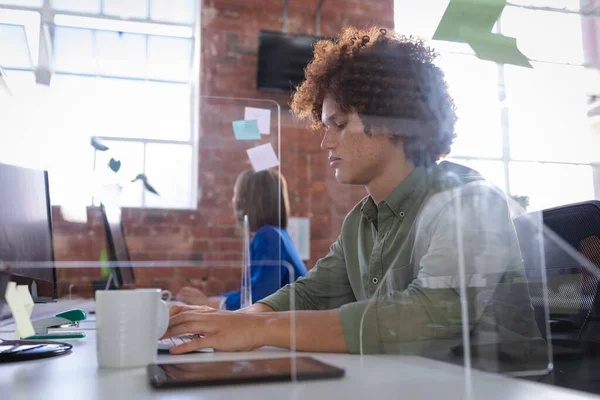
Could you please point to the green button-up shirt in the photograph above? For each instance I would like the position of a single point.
(394, 270)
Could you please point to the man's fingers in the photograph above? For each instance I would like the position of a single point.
(193, 328)
(192, 315)
(206, 342)
(175, 309)
(178, 308)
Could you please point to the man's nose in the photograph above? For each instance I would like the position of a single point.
(328, 141)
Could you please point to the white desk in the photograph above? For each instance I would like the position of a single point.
(76, 376)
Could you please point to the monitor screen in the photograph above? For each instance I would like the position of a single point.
(117, 246)
(282, 59)
(26, 229)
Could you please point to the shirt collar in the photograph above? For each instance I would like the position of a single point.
(397, 199)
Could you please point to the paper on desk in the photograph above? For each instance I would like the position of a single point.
(262, 117)
(494, 47)
(263, 157)
(24, 328)
(246, 130)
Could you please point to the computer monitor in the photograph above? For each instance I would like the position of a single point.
(4, 279)
(117, 246)
(26, 230)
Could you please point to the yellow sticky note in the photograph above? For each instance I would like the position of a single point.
(26, 299)
(22, 321)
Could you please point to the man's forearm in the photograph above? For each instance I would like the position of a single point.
(314, 331)
(256, 308)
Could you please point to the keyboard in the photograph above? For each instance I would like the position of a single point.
(166, 344)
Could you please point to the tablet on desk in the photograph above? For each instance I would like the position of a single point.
(212, 373)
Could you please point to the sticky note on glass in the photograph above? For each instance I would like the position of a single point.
(26, 299)
(476, 14)
(471, 22)
(246, 130)
(263, 157)
(494, 47)
(19, 312)
(262, 116)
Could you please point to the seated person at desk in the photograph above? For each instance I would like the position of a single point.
(256, 194)
(390, 283)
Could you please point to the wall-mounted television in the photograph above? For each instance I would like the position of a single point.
(282, 59)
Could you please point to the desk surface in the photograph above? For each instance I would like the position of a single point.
(383, 377)
(77, 375)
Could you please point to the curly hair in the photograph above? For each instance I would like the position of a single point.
(390, 81)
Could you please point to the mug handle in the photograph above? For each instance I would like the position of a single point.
(162, 318)
(166, 295)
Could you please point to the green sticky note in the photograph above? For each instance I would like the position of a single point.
(476, 14)
(494, 47)
(246, 130)
(471, 22)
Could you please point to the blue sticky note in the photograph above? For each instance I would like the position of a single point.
(246, 130)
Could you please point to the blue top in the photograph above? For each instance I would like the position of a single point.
(267, 279)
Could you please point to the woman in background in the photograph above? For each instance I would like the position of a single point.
(256, 194)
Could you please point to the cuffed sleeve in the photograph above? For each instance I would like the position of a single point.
(325, 287)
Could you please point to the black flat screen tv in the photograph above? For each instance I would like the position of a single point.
(282, 59)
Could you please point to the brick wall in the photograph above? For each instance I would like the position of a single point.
(229, 44)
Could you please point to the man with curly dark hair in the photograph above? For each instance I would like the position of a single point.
(390, 283)
(387, 84)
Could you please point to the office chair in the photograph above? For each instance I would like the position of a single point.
(569, 243)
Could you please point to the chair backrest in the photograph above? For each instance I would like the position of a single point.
(570, 240)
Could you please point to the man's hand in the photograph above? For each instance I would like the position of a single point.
(191, 295)
(250, 330)
(222, 330)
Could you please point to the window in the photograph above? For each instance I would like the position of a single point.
(130, 83)
(526, 130)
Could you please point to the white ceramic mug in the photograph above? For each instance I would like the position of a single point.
(128, 326)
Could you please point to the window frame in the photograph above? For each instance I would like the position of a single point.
(48, 19)
(504, 112)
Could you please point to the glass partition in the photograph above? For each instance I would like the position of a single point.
(403, 192)
(458, 289)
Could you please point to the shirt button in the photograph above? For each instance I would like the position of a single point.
(402, 213)
(375, 281)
